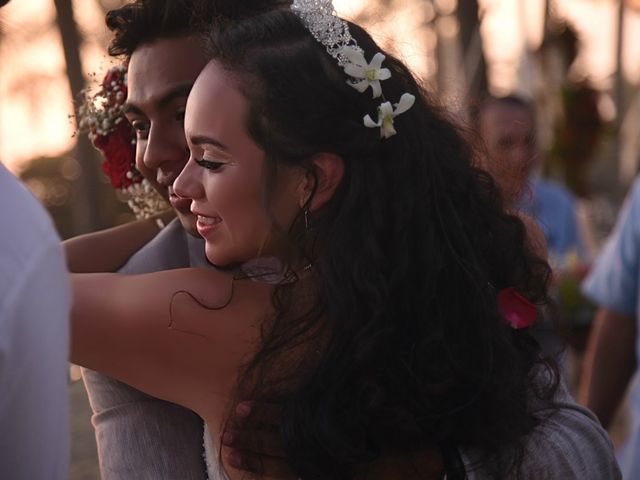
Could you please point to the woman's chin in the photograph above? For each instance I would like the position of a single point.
(218, 259)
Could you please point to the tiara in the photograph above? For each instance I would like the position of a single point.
(320, 18)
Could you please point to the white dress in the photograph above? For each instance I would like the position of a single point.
(215, 471)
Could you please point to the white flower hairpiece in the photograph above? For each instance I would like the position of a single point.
(386, 114)
(320, 19)
(369, 73)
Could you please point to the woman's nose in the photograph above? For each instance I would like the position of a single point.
(188, 184)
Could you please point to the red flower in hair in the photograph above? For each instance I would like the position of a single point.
(517, 311)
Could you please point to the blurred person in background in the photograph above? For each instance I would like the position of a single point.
(610, 365)
(507, 127)
(34, 339)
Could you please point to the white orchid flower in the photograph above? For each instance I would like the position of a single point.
(386, 115)
(369, 74)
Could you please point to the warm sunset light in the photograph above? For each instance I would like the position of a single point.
(274, 245)
(36, 104)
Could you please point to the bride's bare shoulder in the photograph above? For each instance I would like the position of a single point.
(213, 288)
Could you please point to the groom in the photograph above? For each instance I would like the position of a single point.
(139, 436)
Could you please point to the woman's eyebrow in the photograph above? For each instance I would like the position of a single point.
(204, 140)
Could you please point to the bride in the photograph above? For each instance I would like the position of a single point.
(372, 284)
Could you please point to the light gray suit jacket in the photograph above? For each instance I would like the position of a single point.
(138, 436)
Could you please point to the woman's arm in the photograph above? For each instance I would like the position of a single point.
(108, 250)
(176, 335)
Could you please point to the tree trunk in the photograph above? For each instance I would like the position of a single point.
(86, 199)
(471, 41)
(619, 91)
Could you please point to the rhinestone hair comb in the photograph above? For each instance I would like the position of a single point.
(320, 18)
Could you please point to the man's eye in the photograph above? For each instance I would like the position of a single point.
(209, 165)
(141, 128)
(180, 115)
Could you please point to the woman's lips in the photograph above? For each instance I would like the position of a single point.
(205, 225)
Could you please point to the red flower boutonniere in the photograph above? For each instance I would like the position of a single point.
(102, 116)
(517, 311)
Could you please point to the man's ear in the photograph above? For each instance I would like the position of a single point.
(327, 173)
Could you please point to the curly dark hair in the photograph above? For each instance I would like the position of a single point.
(144, 21)
(398, 345)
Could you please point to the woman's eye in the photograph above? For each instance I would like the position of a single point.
(209, 165)
(180, 115)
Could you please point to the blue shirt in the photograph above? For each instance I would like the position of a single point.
(552, 206)
(613, 283)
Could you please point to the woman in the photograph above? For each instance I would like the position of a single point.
(368, 257)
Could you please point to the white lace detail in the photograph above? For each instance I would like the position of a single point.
(211, 460)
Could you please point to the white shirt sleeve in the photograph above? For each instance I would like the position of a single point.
(34, 344)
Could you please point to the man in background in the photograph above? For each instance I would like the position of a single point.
(507, 127)
(610, 364)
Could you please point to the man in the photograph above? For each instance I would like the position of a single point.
(611, 357)
(34, 339)
(139, 436)
(507, 127)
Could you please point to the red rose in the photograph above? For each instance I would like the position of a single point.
(119, 152)
(114, 74)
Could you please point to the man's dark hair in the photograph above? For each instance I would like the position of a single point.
(144, 21)
(507, 101)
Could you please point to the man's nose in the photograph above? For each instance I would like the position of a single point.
(165, 151)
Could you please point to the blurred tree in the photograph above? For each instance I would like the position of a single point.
(475, 65)
(568, 107)
(106, 5)
(86, 205)
(52, 180)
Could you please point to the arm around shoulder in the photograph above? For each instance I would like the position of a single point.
(108, 250)
(137, 328)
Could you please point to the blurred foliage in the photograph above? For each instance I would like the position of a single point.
(53, 180)
(577, 134)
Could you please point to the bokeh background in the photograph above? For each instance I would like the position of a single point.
(578, 60)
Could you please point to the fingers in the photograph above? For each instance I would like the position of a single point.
(253, 414)
(270, 467)
(260, 442)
